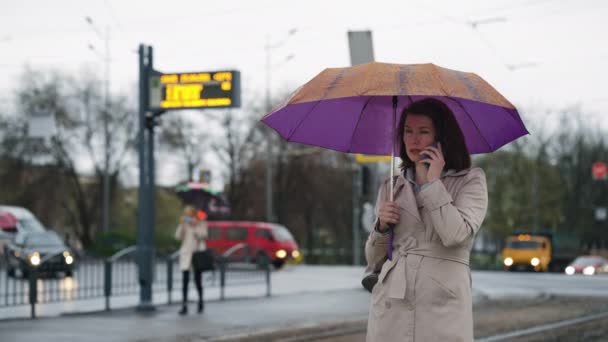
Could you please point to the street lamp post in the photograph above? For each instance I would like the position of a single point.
(268, 47)
(106, 177)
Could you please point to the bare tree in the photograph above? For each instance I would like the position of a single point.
(182, 135)
(76, 104)
(236, 149)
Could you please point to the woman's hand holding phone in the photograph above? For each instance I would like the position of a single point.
(432, 156)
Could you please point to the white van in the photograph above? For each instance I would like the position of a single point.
(25, 222)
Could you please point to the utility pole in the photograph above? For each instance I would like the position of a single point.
(361, 51)
(356, 202)
(269, 206)
(106, 174)
(106, 113)
(270, 217)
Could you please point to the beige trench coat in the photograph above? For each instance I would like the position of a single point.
(193, 238)
(424, 293)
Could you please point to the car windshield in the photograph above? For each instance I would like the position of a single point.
(586, 261)
(30, 225)
(523, 244)
(44, 240)
(281, 233)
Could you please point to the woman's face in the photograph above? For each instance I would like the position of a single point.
(419, 133)
(189, 212)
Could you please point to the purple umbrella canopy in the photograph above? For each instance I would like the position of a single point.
(351, 109)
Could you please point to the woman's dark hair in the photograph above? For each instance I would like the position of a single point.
(447, 132)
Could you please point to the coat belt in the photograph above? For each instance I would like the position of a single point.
(394, 273)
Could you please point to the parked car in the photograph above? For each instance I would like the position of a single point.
(44, 251)
(265, 241)
(588, 265)
(14, 220)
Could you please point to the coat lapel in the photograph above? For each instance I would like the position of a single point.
(405, 198)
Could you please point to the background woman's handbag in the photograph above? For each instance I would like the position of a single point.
(203, 261)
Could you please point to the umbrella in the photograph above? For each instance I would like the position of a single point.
(355, 109)
(7, 220)
(202, 197)
(349, 109)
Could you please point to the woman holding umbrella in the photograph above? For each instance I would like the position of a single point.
(192, 232)
(422, 239)
(429, 214)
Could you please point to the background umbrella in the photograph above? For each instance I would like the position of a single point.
(355, 109)
(7, 220)
(200, 196)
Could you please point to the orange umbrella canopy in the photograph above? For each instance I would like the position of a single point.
(384, 79)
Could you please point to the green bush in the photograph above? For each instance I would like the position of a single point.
(108, 243)
(168, 211)
(165, 242)
(486, 261)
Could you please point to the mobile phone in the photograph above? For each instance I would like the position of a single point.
(426, 156)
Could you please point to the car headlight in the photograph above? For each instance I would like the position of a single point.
(569, 270)
(295, 254)
(69, 259)
(534, 262)
(35, 259)
(281, 254)
(589, 270)
(508, 261)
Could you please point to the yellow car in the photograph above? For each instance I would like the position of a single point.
(526, 251)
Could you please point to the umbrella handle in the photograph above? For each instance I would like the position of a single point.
(391, 237)
(395, 101)
(392, 226)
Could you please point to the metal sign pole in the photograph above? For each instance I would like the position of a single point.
(145, 231)
(159, 92)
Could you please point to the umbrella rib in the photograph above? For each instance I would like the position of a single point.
(301, 121)
(515, 117)
(473, 121)
(350, 144)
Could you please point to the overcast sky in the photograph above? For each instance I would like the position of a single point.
(538, 53)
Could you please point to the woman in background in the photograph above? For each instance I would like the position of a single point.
(192, 232)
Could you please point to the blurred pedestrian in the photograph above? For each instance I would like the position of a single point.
(192, 232)
(420, 244)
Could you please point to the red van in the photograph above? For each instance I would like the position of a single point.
(265, 240)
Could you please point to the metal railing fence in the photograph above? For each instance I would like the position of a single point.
(118, 276)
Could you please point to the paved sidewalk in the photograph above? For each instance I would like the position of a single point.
(289, 280)
(221, 319)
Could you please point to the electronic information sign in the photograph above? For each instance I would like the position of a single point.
(191, 90)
